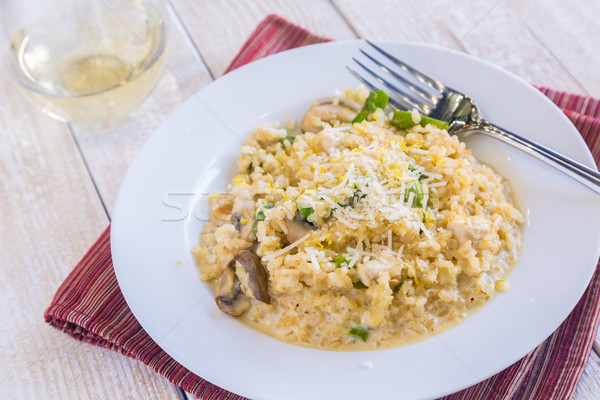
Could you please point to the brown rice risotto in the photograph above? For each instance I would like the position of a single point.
(359, 228)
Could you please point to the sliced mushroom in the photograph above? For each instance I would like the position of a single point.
(221, 208)
(231, 300)
(254, 276)
(245, 275)
(242, 210)
(298, 227)
(325, 111)
(243, 223)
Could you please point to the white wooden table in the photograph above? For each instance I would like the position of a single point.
(59, 181)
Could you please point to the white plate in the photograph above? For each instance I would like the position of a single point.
(159, 211)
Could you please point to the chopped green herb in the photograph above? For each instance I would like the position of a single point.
(306, 211)
(417, 189)
(347, 202)
(260, 216)
(378, 100)
(373, 102)
(287, 138)
(359, 332)
(250, 169)
(397, 287)
(358, 194)
(359, 285)
(423, 213)
(360, 117)
(402, 119)
(367, 105)
(432, 121)
(412, 169)
(339, 260)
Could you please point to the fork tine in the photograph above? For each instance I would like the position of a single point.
(414, 103)
(432, 83)
(429, 97)
(363, 80)
(398, 103)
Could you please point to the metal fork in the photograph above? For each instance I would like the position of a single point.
(432, 98)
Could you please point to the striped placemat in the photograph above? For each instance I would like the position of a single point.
(90, 307)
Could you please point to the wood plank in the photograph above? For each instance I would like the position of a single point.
(570, 32)
(487, 29)
(503, 38)
(218, 39)
(589, 385)
(406, 21)
(50, 215)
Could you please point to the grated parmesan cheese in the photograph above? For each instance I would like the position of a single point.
(436, 184)
(285, 249)
(361, 252)
(313, 258)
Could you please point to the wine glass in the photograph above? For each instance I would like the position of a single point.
(85, 59)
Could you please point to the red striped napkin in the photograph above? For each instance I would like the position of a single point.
(89, 305)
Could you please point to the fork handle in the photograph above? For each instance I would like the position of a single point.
(578, 171)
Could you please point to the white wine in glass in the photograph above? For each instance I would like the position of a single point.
(85, 59)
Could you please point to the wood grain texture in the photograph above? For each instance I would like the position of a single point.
(488, 29)
(589, 385)
(387, 19)
(50, 215)
(569, 30)
(211, 26)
